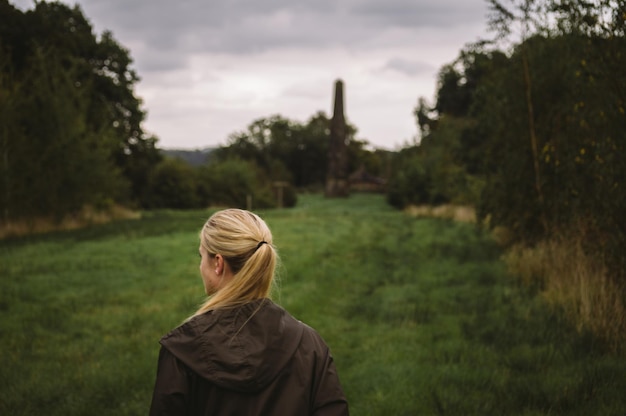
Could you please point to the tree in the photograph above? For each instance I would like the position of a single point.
(310, 159)
(136, 153)
(289, 151)
(578, 101)
(72, 134)
(527, 13)
(55, 165)
(106, 66)
(450, 152)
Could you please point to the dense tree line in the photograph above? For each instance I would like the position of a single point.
(534, 134)
(72, 134)
(71, 130)
(264, 166)
(275, 152)
(176, 184)
(298, 153)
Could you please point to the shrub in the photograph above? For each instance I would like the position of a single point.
(172, 184)
(235, 183)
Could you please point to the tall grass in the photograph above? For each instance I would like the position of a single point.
(88, 216)
(420, 314)
(576, 283)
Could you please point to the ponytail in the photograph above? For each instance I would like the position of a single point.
(245, 242)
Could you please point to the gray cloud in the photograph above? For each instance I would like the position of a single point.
(409, 67)
(249, 26)
(424, 13)
(240, 26)
(214, 65)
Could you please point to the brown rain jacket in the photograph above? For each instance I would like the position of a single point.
(255, 359)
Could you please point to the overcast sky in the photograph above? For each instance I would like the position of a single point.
(209, 68)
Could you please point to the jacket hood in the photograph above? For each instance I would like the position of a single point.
(242, 348)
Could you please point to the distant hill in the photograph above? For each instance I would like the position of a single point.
(196, 157)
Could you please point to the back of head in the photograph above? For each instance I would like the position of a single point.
(245, 242)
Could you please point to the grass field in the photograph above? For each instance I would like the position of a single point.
(419, 313)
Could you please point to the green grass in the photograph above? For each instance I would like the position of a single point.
(419, 313)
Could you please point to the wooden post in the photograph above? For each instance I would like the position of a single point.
(280, 185)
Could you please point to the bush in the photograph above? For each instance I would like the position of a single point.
(235, 183)
(172, 184)
(409, 182)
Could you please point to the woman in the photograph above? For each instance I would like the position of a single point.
(240, 353)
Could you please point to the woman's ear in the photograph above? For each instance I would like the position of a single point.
(219, 264)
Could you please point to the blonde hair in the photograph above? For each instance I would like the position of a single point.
(245, 242)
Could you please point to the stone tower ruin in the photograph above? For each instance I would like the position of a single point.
(337, 184)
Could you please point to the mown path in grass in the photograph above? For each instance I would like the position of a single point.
(419, 313)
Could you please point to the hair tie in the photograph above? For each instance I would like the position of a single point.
(260, 244)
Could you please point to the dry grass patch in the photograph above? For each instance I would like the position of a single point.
(580, 285)
(86, 217)
(461, 213)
